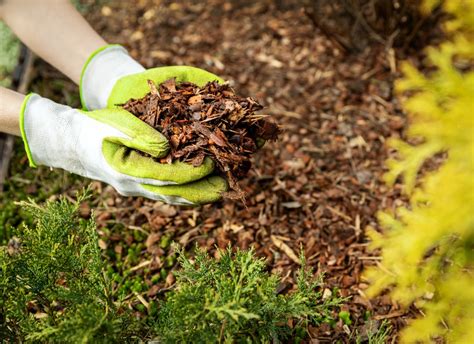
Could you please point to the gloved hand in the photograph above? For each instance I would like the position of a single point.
(111, 77)
(97, 145)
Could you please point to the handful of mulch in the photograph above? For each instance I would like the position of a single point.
(206, 121)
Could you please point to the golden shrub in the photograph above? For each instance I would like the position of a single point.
(428, 246)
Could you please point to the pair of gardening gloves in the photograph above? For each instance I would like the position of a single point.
(104, 141)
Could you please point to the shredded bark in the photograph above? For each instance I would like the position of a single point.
(206, 121)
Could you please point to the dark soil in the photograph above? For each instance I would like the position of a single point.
(317, 188)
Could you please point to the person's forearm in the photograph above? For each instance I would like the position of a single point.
(10, 106)
(54, 30)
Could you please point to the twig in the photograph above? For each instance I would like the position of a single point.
(222, 330)
(337, 212)
(355, 12)
(369, 258)
(286, 249)
(389, 315)
(143, 301)
(141, 265)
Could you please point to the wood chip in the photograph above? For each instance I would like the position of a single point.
(286, 249)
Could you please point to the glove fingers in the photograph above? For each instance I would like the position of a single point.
(182, 74)
(203, 191)
(135, 86)
(141, 135)
(131, 163)
(156, 149)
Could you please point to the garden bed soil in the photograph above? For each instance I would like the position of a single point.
(315, 189)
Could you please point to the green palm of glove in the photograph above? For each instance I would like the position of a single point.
(136, 86)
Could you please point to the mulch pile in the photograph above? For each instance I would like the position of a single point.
(206, 121)
(318, 187)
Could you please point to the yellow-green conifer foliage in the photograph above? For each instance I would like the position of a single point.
(428, 246)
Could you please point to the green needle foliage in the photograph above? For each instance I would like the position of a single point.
(24, 183)
(233, 299)
(379, 336)
(54, 289)
(428, 248)
(53, 284)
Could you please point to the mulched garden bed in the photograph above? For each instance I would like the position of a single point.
(317, 188)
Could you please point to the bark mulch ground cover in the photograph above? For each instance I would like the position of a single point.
(317, 188)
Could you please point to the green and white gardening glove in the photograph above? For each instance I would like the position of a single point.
(111, 77)
(103, 145)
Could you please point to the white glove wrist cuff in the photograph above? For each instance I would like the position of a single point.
(59, 136)
(100, 73)
(44, 124)
(23, 109)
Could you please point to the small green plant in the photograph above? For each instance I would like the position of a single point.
(53, 284)
(55, 287)
(23, 183)
(233, 299)
(376, 333)
(345, 316)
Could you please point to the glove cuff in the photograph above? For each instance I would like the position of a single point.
(49, 131)
(100, 73)
(23, 109)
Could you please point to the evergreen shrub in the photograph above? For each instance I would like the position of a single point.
(428, 246)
